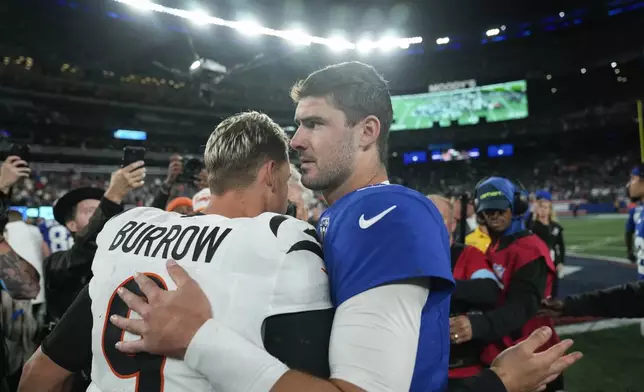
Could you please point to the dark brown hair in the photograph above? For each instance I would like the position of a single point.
(356, 89)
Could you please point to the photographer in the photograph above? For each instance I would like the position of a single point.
(191, 173)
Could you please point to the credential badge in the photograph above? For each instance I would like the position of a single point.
(499, 270)
(322, 228)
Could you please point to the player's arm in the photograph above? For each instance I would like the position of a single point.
(626, 301)
(17, 276)
(521, 304)
(65, 351)
(483, 287)
(299, 331)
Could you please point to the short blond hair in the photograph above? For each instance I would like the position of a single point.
(239, 146)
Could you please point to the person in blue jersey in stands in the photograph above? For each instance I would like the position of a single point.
(386, 251)
(56, 236)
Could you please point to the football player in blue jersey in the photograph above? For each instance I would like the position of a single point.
(386, 253)
(635, 222)
(634, 215)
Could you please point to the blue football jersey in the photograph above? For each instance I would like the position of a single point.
(57, 237)
(386, 233)
(635, 224)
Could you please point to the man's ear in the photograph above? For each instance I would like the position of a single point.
(271, 174)
(370, 131)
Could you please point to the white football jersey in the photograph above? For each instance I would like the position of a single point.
(250, 269)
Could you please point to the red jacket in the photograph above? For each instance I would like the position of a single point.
(507, 256)
(467, 261)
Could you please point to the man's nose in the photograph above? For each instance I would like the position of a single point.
(298, 141)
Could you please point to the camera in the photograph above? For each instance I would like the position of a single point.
(20, 150)
(191, 169)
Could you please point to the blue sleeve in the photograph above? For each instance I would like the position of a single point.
(387, 237)
(630, 222)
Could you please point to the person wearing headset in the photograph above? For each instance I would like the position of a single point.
(522, 264)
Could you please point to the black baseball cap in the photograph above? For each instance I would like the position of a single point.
(493, 194)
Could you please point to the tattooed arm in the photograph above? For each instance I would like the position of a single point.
(19, 278)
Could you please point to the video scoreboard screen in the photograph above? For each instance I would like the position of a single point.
(494, 102)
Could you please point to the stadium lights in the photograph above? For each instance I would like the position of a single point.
(194, 66)
(583, 71)
(199, 18)
(339, 44)
(613, 64)
(142, 4)
(298, 37)
(617, 71)
(548, 76)
(562, 14)
(553, 90)
(255, 29)
(252, 28)
(492, 32)
(365, 45)
(503, 28)
(442, 41)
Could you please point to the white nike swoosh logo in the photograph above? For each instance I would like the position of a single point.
(367, 223)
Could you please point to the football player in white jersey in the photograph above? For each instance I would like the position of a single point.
(262, 271)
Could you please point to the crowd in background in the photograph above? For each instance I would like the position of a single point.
(595, 179)
(598, 179)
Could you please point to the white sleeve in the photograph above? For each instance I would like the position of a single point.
(375, 337)
(230, 362)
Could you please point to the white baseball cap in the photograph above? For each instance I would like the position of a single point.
(200, 200)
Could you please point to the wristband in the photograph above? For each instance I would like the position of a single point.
(230, 362)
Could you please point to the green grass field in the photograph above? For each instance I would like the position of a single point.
(601, 235)
(613, 358)
(497, 102)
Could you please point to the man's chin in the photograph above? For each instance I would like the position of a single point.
(313, 184)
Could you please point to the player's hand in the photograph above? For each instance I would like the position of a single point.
(12, 170)
(632, 258)
(169, 319)
(174, 169)
(124, 180)
(460, 329)
(521, 370)
(551, 308)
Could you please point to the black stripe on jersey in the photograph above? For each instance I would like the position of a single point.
(275, 223)
(190, 215)
(312, 233)
(310, 246)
